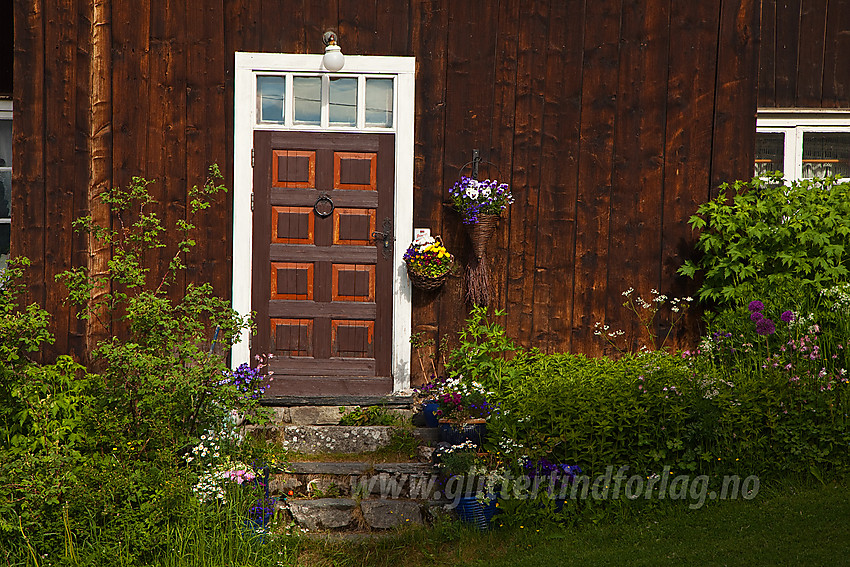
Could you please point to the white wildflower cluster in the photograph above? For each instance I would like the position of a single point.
(464, 446)
(493, 479)
(600, 330)
(840, 297)
(206, 451)
(805, 321)
(212, 484)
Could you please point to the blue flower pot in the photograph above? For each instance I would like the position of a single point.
(456, 434)
(479, 515)
(430, 410)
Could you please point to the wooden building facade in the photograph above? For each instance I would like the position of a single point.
(612, 120)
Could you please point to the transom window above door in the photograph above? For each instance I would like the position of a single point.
(803, 144)
(325, 101)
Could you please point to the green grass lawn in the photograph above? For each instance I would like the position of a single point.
(797, 527)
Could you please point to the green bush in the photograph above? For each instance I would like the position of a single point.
(98, 461)
(758, 236)
(695, 412)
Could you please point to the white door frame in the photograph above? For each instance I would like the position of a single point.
(248, 66)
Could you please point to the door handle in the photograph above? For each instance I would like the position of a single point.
(386, 235)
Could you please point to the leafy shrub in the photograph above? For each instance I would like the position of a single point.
(758, 236)
(94, 460)
(162, 383)
(692, 412)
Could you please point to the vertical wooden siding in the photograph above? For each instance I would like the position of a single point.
(611, 119)
(803, 54)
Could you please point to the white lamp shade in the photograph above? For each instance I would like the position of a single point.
(333, 59)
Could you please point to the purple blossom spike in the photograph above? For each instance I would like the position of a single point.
(765, 327)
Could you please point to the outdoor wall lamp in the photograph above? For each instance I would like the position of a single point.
(333, 59)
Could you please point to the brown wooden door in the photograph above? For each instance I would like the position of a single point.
(322, 285)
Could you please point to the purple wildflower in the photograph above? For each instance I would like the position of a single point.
(765, 327)
(755, 305)
(787, 316)
(755, 316)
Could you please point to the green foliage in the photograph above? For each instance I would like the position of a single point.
(483, 350)
(93, 462)
(163, 382)
(690, 412)
(759, 235)
(370, 415)
(22, 331)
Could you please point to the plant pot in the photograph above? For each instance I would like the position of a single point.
(456, 433)
(426, 282)
(480, 233)
(430, 409)
(471, 511)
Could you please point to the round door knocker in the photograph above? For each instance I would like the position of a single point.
(324, 206)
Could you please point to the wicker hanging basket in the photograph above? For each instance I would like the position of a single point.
(481, 232)
(429, 282)
(426, 282)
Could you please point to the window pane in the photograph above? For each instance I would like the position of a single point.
(770, 153)
(5, 143)
(343, 101)
(307, 101)
(271, 92)
(4, 245)
(5, 193)
(826, 154)
(379, 102)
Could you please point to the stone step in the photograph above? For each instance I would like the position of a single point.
(350, 439)
(359, 515)
(356, 480)
(329, 414)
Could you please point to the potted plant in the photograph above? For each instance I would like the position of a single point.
(428, 262)
(471, 479)
(463, 410)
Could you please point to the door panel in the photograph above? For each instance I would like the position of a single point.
(322, 284)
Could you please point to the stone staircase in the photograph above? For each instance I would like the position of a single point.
(347, 479)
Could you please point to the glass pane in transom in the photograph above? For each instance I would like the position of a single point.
(379, 102)
(826, 154)
(343, 101)
(770, 151)
(307, 100)
(271, 92)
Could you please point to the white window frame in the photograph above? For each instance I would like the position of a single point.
(402, 69)
(793, 123)
(6, 114)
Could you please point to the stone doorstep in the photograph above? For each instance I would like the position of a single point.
(346, 514)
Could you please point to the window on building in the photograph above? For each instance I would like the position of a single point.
(5, 180)
(334, 101)
(803, 144)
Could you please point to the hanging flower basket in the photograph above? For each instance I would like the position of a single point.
(480, 233)
(428, 262)
(480, 203)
